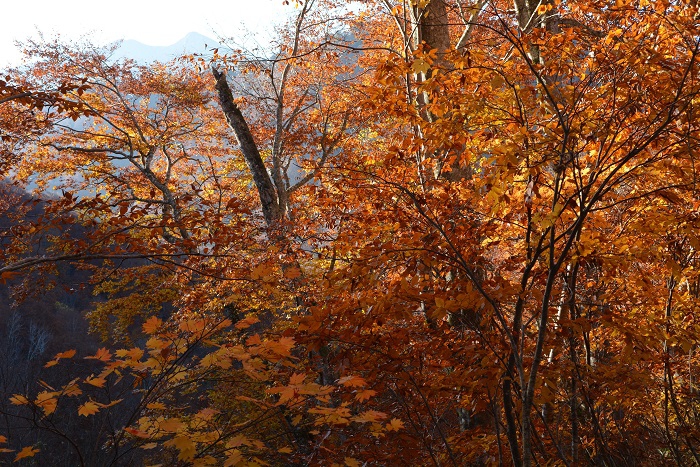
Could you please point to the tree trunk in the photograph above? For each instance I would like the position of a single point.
(433, 27)
(268, 194)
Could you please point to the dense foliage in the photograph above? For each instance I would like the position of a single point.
(419, 233)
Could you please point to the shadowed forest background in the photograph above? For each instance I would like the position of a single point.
(414, 233)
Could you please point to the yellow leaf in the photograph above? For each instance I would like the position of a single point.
(394, 425)
(192, 325)
(420, 66)
(420, 3)
(497, 81)
(350, 462)
(172, 425)
(18, 399)
(133, 354)
(185, 446)
(97, 382)
(26, 452)
(215, 359)
(71, 389)
(88, 408)
(47, 401)
(285, 450)
(156, 344)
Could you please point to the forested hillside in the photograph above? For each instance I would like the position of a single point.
(424, 232)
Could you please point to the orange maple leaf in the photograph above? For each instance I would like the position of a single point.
(97, 381)
(394, 425)
(102, 354)
(66, 354)
(88, 408)
(365, 395)
(28, 451)
(352, 381)
(19, 399)
(137, 433)
(185, 446)
(171, 425)
(59, 356)
(297, 378)
(47, 400)
(247, 322)
(234, 458)
(193, 325)
(151, 325)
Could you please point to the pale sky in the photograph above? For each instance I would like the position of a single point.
(153, 22)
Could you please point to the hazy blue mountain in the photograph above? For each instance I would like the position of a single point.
(142, 53)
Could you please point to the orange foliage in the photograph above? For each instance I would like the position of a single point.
(484, 248)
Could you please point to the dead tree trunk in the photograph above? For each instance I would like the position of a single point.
(269, 198)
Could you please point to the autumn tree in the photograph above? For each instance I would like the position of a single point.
(560, 128)
(297, 104)
(151, 174)
(490, 259)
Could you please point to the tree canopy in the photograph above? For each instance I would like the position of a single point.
(426, 232)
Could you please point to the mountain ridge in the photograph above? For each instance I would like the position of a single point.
(192, 42)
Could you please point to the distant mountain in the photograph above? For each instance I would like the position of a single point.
(142, 53)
